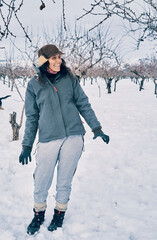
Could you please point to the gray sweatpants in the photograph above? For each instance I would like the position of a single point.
(63, 152)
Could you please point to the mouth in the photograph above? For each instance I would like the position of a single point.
(57, 65)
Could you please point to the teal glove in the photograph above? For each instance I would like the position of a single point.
(99, 133)
(25, 154)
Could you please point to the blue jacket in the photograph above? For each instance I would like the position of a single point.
(55, 109)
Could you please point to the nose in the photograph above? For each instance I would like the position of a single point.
(59, 60)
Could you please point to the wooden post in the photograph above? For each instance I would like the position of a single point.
(15, 126)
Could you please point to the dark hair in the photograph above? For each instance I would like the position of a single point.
(64, 70)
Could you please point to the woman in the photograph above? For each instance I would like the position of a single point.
(53, 103)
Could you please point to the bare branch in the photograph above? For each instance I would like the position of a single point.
(63, 14)
(140, 14)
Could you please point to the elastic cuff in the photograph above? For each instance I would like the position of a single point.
(61, 207)
(97, 128)
(39, 207)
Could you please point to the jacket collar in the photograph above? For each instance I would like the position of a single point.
(57, 79)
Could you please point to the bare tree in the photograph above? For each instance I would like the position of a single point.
(152, 71)
(90, 49)
(141, 71)
(140, 14)
(10, 11)
(2, 73)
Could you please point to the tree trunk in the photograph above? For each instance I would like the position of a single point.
(12, 84)
(115, 83)
(3, 79)
(109, 85)
(155, 82)
(156, 89)
(8, 82)
(15, 126)
(136, 80)
(141, 84)
(84, 81)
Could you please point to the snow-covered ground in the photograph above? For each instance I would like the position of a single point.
(114, 194)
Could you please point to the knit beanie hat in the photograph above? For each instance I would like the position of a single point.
(46, 52)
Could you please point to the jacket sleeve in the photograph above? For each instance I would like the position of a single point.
(32, 117)
(83, 105)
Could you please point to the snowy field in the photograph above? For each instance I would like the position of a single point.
(114, 194)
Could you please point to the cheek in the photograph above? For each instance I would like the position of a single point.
(51, 62)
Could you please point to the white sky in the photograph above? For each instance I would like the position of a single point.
(49, 17)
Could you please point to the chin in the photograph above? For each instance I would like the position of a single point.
(57, 70)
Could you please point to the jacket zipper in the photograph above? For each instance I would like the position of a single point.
(59, 103)
(55, 88)
(60, 108)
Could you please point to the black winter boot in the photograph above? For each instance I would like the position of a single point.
(38, 219)
(57, 220)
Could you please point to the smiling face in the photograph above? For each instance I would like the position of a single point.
(55, 63)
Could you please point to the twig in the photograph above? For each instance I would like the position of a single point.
(63, 14)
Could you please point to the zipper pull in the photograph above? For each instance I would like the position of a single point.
(55, 88)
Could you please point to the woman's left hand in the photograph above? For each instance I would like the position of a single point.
(99, 133)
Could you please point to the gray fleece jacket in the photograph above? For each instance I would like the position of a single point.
(55, 109)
